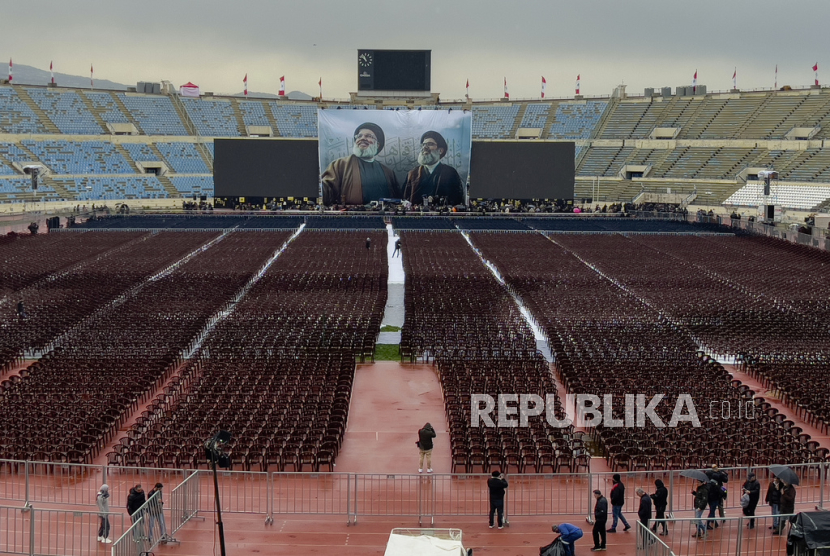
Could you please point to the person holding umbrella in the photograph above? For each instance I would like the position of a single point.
(789, 478)
(701, 494)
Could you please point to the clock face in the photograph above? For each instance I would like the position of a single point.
(365, 60)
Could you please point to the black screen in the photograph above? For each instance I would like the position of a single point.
(266, 168)
(522, 170)
(394, 70)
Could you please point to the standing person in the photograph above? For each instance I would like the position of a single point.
(644, 511)
(397, 250)
(156, 512)
(722, 478)
(568, 534)
(787, 505)
(135, 500)
(21, 310)
(497, 485)
(753, 488)
(617, 502)
(715, 497)
(425, 436)
(103, 501)
(774, 500)
(358, 179)
(661, 500)
(701, 502)
(600, 519)
(368, 243)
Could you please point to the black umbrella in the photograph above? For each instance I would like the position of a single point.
(786, 474)
(696, 474)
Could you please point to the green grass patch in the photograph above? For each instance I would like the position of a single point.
(390, 328)
(387, 352)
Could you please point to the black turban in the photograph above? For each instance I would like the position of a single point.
(442, 144)
(374, 128)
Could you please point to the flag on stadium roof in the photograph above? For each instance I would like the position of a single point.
(245, 81)
(11, 77)
(776, 77)
(735, 78)
(815, 69)
(577, 83)
(282, 86)
(506, 93)
(91, 80)
(320, 84)
(51, 72)
(468, 89)
(544, 85)
(694, 83)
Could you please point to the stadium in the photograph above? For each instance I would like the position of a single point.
(155, 294)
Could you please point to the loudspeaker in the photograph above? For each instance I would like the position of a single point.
(766, 187)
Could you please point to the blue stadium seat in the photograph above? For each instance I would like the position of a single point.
(67, 111)
(154, 114)
(193, 185)
(576, 120)
(16, 116)
(80, 157)
(183, 158)
(106, 107)
(213, 118)
(295, 120)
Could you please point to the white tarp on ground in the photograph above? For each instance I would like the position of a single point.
(404, 545)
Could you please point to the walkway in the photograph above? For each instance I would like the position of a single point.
(390, 402)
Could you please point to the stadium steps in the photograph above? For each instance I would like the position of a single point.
(746, 160)
(62, 192)
(819, 117)
(696, 124)
(605, 119)
(750, 119)
(181, 112)
(169, 187)
(98, 119)
(123, 108)
(44, 119)
(29, 154)
(551, 119)
(123, 152)
(6, 162)
(272, 121)
(518, 121)
(240, 121)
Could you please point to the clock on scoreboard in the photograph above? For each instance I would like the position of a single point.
(393, 70)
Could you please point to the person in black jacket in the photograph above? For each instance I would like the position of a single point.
(661, 500)
(600, 519)
(715, 497)
(722, 478)
(787, 505)
(425, 436)
(135, 500)
(753, 488)
(774, 500)
(497, 485)
(644, 511)
(617, 502)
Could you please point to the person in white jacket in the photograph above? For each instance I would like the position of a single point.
(103, 501)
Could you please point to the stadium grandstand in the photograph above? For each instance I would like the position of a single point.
(665, 319)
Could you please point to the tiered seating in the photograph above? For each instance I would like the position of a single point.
(80, 157)
(114, 188)
(16, 116)
(576, 121)
(116, 359)
(506, 224)
(271, 222)
(106, 107)
(155, 114)
(606, 340)
(193, 185)
(140, 152)
(494, 122)
(535, 116)
(286, 396)
(295, 120)
(624, 120)
(212, 118)
(16, 189)
(67, 111)
(253, 113)
(803, 197)
(421, 223)
(183, 158)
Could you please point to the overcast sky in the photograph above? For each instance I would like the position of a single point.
(642, 43)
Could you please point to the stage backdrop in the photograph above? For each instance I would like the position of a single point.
(402, 130)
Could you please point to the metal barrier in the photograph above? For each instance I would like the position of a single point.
(310, 493)
(184, 502)
(134, 541)
(53, 532)
(239, 492)
(700, 537)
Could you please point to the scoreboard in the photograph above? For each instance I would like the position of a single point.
(393, 70)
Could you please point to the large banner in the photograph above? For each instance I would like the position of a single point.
(410, 154)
